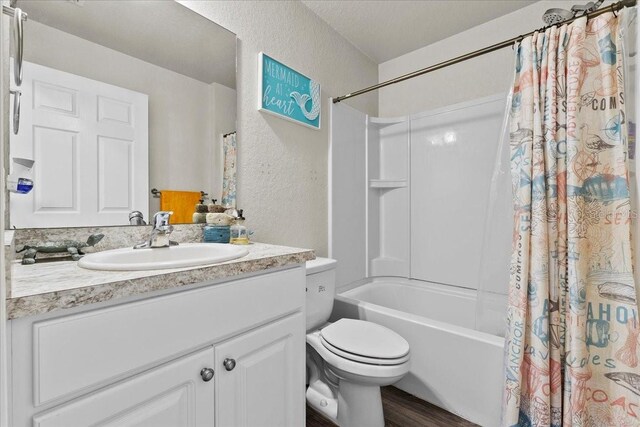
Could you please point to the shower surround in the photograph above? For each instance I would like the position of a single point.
(410, 248)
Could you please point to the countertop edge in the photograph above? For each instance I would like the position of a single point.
(59, 300)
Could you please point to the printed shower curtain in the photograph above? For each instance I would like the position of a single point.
(571, 352)
(229, 148)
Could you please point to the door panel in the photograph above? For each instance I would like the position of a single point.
(58, 176)
(114, 111)
(115, 159)
(55, 98)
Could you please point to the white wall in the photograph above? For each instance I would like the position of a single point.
(4, 134)
(182, 121)
(282, 176)
(348, 220)
(483, 76)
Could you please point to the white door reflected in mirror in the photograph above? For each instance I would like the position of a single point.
(89, 141)
(90, 168)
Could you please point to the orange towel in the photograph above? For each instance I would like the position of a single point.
(182, 203)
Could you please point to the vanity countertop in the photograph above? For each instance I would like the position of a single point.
(48, 286)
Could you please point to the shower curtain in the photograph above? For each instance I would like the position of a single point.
(229, 148)
(571, 351)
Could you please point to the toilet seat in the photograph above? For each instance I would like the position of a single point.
(362, 359)
(365, 342)
(362, 370)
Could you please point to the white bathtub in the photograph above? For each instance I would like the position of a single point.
(453, 366)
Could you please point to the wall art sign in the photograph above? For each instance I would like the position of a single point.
(287, 93)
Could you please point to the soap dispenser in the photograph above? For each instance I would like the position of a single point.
(239, 234)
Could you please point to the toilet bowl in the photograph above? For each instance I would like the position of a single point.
(348, 360)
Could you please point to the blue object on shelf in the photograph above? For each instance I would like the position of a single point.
(24, 185)
(217, 233)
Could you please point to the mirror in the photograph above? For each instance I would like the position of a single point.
(119, 98)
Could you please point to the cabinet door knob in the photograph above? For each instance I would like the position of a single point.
(206, 374)
(229, 364)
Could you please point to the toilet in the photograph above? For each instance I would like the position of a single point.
(348, 360)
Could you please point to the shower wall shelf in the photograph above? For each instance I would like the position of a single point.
(369, 172)
(387, 199)
(386, 121)
(387, 183)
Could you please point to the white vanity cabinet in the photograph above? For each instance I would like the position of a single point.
(261, 371)
(170, 395)
(148, 362)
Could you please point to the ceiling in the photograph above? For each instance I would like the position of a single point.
(384, 30)
(163, 33)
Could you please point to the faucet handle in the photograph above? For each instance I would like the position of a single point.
(161, 220)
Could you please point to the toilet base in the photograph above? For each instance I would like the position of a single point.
(345, 391)
(322, 404)
(356, 404)
(359, 405)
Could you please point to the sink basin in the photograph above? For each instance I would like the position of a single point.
(183, 255)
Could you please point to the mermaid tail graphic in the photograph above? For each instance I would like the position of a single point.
(302, 99)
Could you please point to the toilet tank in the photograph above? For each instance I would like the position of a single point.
(321, 288)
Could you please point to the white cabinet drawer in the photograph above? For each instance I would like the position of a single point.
(169, 396)
(77, 353)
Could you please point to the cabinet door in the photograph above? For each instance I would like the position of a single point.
(171, 395)
(260, 376)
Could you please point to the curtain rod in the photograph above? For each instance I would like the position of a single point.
(11, 11)
(227, 134)
(612, 8)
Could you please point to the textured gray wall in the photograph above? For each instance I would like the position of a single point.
(282, 175)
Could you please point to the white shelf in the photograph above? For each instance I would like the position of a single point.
(387, 183)
(386, 121)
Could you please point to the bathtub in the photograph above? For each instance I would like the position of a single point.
(453, 366)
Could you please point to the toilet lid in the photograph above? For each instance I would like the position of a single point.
(366, 339)
(362, 359)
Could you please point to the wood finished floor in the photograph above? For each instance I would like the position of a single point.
(402, 410)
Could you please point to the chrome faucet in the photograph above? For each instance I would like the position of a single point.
(159, 237)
